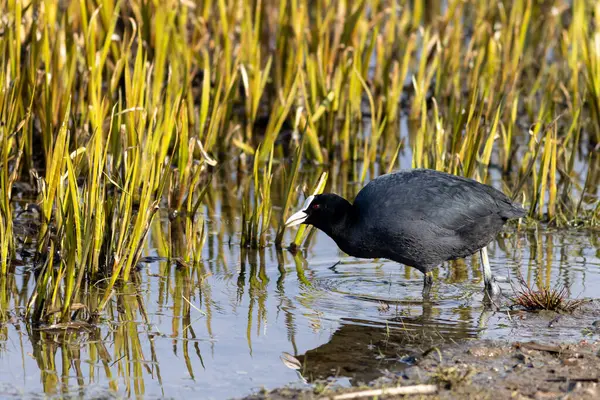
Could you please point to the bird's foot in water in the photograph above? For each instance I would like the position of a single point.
(492, 291)
(427, 283)
(501, 279)
(333, 267)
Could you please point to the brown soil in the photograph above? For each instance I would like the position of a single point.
(488, 370)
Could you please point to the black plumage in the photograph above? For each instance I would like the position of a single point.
(417, 217)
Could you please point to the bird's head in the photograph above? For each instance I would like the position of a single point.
(324, 211)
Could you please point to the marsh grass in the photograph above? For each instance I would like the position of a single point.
(256, 206)
(544, 298)
(115, 111)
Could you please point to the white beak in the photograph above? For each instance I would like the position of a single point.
(300, 216)
(296, 219)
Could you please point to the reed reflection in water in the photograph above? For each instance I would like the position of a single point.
(215, 320)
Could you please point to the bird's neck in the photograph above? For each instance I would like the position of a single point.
(343, 228)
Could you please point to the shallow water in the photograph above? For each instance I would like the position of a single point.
(220, 330)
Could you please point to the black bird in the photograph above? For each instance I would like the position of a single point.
(417, 217)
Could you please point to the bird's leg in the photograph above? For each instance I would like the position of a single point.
(491, 287)
(427, 282)
(335, 265)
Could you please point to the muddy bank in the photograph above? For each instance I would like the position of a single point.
(539, 362)
(488, 370)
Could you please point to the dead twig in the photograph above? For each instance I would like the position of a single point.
(400, 390)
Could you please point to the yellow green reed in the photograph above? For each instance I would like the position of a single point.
(116, 112)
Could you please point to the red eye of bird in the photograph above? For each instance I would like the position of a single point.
(316, 206)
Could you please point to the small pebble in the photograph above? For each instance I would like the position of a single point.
(538, 364)
(485, 351)
(570, 361)
(413, 373)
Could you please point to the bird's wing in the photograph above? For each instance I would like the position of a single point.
(446, 201)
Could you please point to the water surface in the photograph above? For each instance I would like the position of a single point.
(219, 330)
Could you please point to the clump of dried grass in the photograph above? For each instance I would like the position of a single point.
(545, 298)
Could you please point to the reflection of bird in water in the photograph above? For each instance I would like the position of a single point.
(416, 217)
(361, 350)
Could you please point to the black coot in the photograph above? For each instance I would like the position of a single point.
(418, 217)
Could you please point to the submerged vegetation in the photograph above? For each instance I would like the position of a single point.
(112, 112)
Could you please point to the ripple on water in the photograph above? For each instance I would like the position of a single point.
(220, 330)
